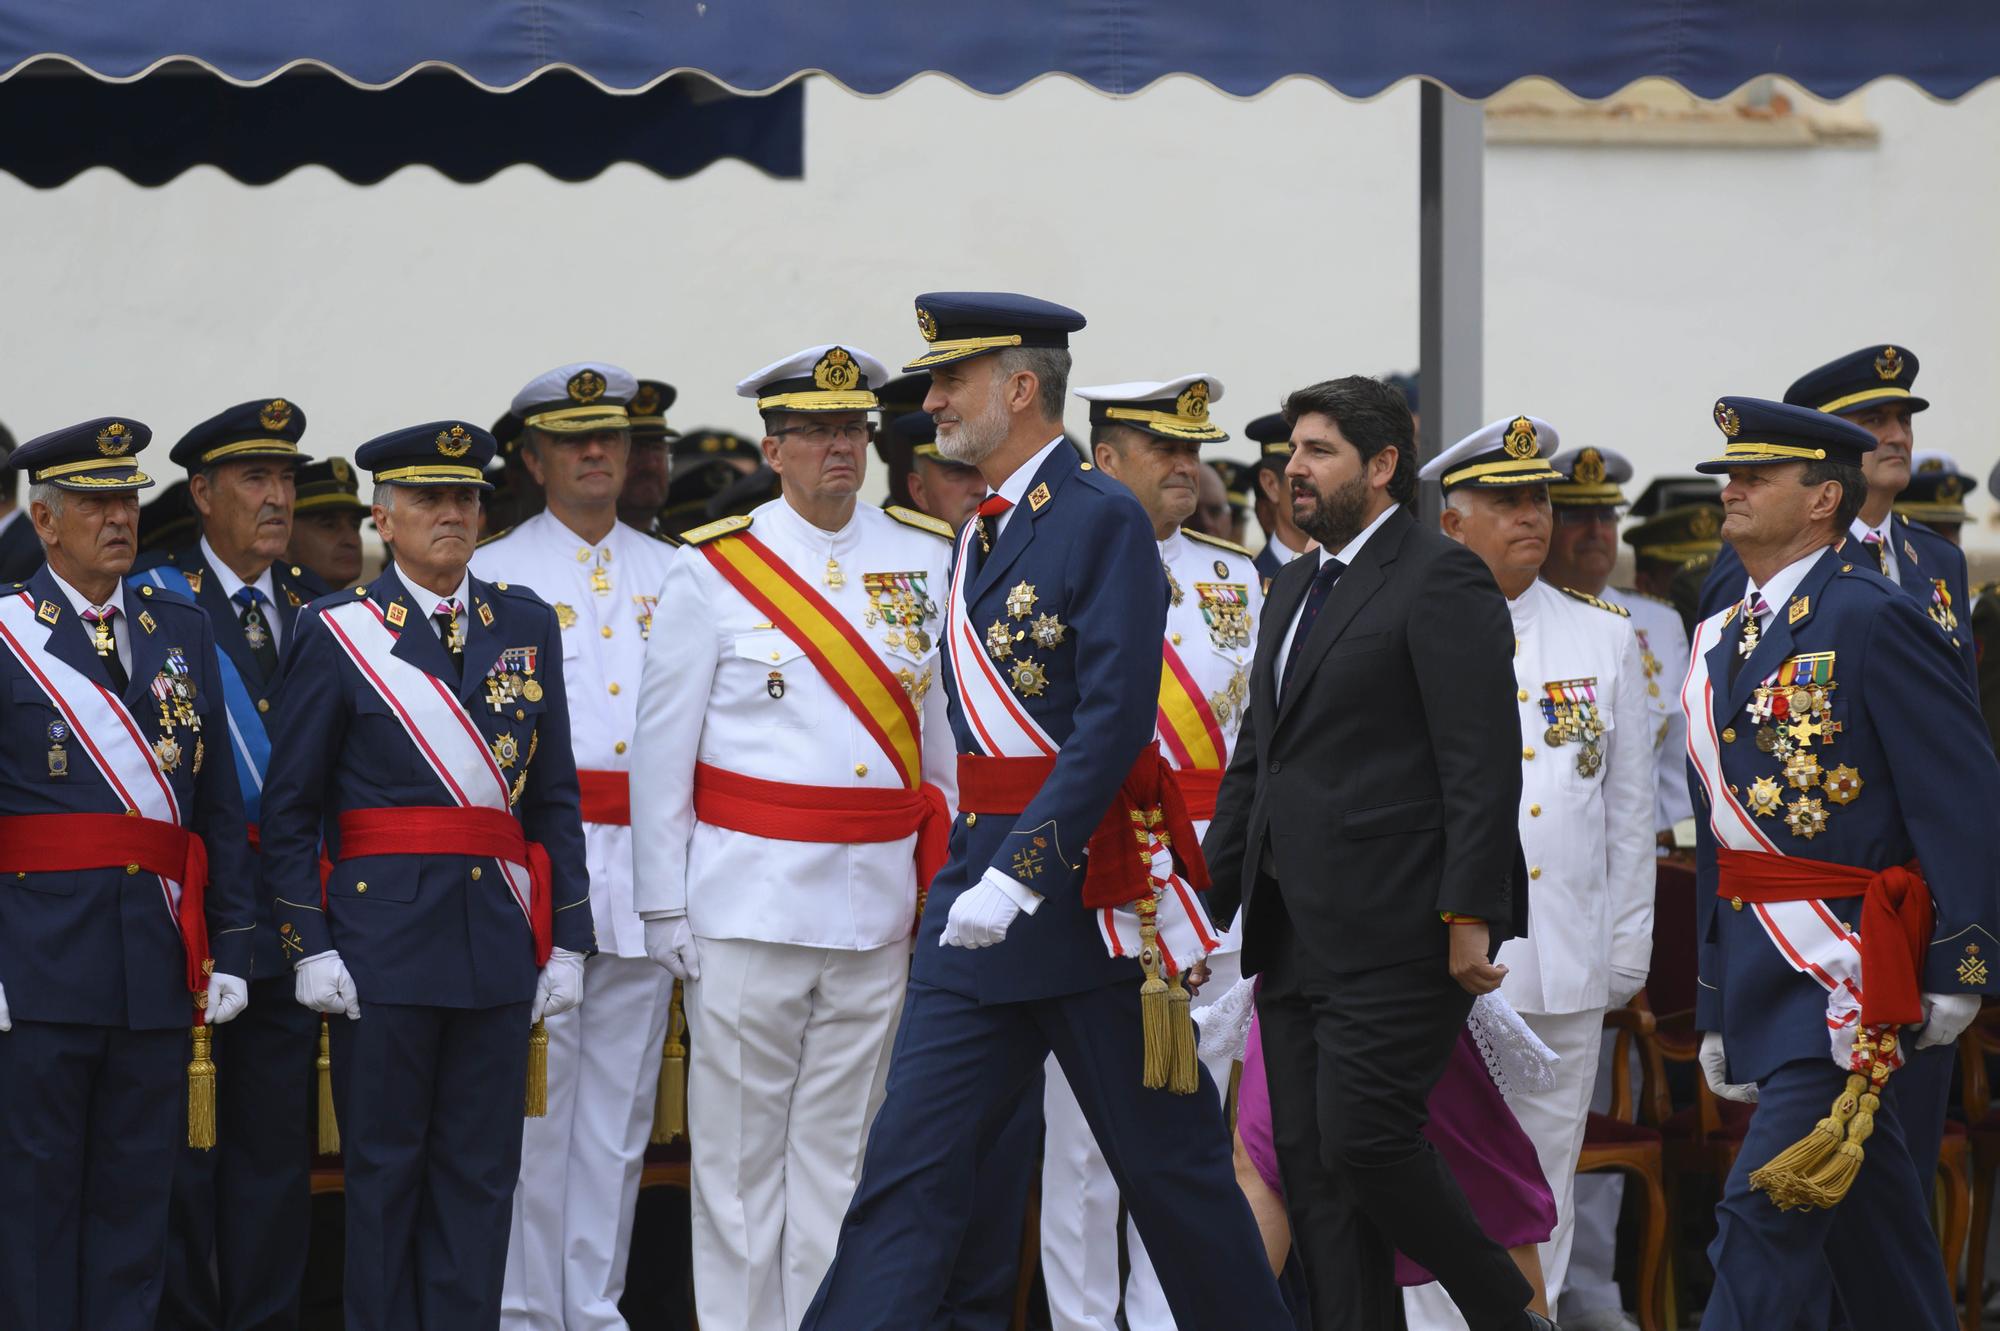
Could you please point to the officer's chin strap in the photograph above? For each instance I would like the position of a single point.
(670, 1104)
(538, 1071)
(1818, 1169)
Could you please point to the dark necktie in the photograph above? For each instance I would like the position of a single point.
(447, 617)
(990, 507)
(99, 620)
(1330, 570)
(257, 635)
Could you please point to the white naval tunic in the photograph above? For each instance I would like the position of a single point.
(1663, 657)
(1079, 1218)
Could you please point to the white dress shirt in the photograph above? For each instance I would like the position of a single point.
(427, 601)
(1015, 488)
(121, 633)
(226, 578)
(1778, 590)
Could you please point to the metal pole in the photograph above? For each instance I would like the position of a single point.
(1451, 286)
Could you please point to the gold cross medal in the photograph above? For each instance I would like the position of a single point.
(505, 751)
(168, 750)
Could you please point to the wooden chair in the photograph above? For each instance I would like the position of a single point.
(1619, 1141)
(1982, 1143)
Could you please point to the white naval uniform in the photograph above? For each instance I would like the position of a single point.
(1588, 840)
(1079, 1207)
(1663, 658)
(580, 1164)
(803, 946)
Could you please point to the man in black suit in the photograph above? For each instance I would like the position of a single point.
(1367, 821)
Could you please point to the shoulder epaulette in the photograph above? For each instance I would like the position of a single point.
(663, 538)
(720, 527)
(909, 517)
(516, 590)
(160, 595)
(488, 540)
(1217, 542)
(1588, 599)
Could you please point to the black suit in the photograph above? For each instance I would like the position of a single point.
(1379, 791)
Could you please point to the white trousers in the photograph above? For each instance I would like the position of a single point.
(1080, 1207)
(1591, 1283)
(580, 1164)
(790, 1051)
(1554, 1120)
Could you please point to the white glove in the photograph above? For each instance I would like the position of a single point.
(321, 982)
(561, 985)
(1945, 1018)
(1625, 985)
(6, 1016)
(227, 997)
(1715, 1067)
(670, 943)
(979, 918)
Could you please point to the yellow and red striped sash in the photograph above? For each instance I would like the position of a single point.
(842, 655)
(1187, 724)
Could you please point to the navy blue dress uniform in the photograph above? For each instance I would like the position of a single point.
(442, 945)
(1936, 494)
(98, 952)
(242, 1212)
(1831, 740)
(20, 548)
(1074, 571)
(1273, 437)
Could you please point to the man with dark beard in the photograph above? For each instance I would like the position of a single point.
(1367, 822)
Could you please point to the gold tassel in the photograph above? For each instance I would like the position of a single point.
(538, 1071)
(1787, 1177)
(1155, 1011)
(329, 1127)
(1828, 1184)
(1185, 1077)
(201, 1092)
(670, 1105)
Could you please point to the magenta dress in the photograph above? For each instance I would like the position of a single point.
(1471, 1126)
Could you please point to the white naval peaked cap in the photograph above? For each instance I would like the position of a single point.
(1511, 451)
(1169, 408)
(826, 377)
(575, 399)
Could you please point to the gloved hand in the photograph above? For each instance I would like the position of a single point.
(1945, 1018)
(670, 943)
(6, 1016)
(1715, 1067)
(561, 985)
(321, 982)
(979, 918)
(227, 997)
(1625, 985)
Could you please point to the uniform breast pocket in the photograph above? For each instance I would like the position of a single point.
(775, 680)
(379, 742)
(1582, 759)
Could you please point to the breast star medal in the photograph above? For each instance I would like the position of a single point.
(168, 750)
(505, 751)
(1764, 797)
(1047, 631)
(1029, 679)
(1806, 817)
(1000, 640)
(1021, 600)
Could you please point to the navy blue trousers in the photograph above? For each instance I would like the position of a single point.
(1876, 1246)
(980, 1296)
(236, 1251)
(429, 1101)
(91, 1120)
(960, 1066)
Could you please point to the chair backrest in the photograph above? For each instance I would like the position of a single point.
(1670, 987)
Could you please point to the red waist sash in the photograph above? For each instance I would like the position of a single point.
(1896, 918)
(607, 796)
(69, 842)
(1199, 787)
(837, 815)
(1119, 867)
(443, 830)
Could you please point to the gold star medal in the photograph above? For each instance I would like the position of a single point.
(1764, 796)
(1021, 600)
(1029, 679)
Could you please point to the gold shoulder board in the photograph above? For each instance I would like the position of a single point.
(490, 539)
(909, 517)
(1216, 541)
(720, 527)
(1605, 606)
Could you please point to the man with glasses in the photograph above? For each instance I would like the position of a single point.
(793, 746)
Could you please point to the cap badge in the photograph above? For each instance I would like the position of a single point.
(1726, 420)
(586, 386)
(1521, 438)
(1589, 469)
(926, 325)
(341, 472)
(1192, 404)
(114, 440)
(646, 402)
(836, 371)
(1931, 464)
(455, 442)
(1889, 365)
(1703, 524)
(276, 415)
(1949, 488)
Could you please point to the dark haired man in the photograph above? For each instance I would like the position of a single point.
(1367, 822)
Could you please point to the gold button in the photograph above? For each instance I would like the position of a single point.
(1534, 810)
(131, 868)
(499, 586)
(296, 572)
(143, 591)
(861, 769)
(1845, 927)
(1535, 872)
(520, 715)
(1729, 734)
(971, 819)
(263, 704)
(475, 873)
(619, 747)
(1844, 568)
(774, 656)
(605, 631)
(1527, 754)
(1736, 903)
(1177, 640)
(614, 688)
(361, 887)
(20, 875)
(1521, 696)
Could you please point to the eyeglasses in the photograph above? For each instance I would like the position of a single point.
(821, 436)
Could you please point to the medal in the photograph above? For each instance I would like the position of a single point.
(58, 755)
(774, 684)
(1767, 739)
(1589, 758)
(834, 577)
(1553, 736)
(918, 641)
(505, 750)
(168, 751)
(531, 689)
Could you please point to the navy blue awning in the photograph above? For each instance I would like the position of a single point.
(1360, 47)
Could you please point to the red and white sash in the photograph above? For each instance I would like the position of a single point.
(1002, 728)
(100, 723)
(1811, 938)
(432, 716)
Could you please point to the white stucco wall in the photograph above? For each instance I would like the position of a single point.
(1268, 243)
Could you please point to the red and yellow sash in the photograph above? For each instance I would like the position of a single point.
(843, 657)
(1188, 726)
